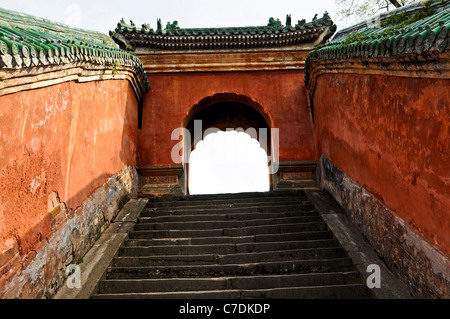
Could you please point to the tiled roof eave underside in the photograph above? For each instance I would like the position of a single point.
(220, 42)
(223, 38)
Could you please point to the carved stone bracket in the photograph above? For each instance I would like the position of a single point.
(162, 180)
(295, 175)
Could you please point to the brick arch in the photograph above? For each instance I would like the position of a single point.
(227, 97)
(229, 111)
(279, 97)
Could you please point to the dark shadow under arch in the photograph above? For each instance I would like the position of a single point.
(227, 97)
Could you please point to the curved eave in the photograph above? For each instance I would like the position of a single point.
(35, 46)
(39, 59)
(133, 38)
(158, 42)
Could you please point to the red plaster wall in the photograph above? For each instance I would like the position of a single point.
(392, 136)
(280, 93)
(67, 138)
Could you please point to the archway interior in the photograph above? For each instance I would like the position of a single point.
(230, 153)
(228, 162)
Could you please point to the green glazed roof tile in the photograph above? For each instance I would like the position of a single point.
(175, 38)
(28, 41)
(426, 34)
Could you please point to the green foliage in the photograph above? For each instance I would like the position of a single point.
(356, 37)
(393, 23)
(115, 68)
(351, 11)
(400, 20)
(275, 24)
(116, 65)
(110, 40)
(172, 27)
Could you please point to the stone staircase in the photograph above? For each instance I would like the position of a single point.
(254, 245)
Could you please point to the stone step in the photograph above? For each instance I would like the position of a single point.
(231, 246)
(142, 257)
(139, 239)
(230, 232)
(226, 204)
(276, 267)
(205, 197)
(225, 248)
(355, 291)
(259, 198)
(171, 211)
(224, 217)
(194, 225)
(228, 283)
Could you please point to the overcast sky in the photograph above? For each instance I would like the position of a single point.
(103, 15)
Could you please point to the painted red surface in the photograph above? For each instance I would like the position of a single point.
(389, 134)
(67, 138)
(280, 93)
(392, 136)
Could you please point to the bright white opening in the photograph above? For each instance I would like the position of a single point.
(227, 163)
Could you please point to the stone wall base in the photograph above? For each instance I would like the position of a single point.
(40, 274)
(424, 269)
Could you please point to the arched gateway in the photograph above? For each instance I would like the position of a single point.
(374, 110)
(247, 77)
(227, 112)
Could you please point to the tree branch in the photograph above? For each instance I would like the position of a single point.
(395, 3)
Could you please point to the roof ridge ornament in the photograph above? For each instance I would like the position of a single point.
(288, 21)
(300, 23)
(159, 26)
(172, 37)
(146, 27)
(275, 24)
(172, 27)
